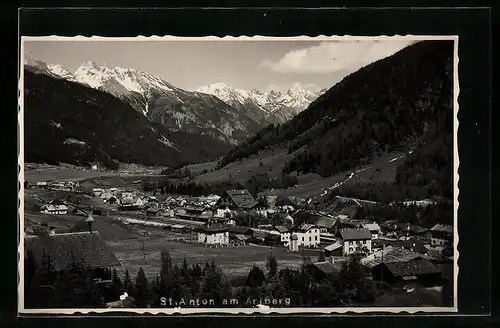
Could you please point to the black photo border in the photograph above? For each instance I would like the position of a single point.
(472, 25)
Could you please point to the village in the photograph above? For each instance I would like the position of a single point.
(401, 254)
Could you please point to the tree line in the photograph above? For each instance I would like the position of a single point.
(255, 184)
(75, 288)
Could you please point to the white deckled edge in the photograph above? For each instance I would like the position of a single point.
(240, 38)
(20, 160)
(211, 311)
(456, 176)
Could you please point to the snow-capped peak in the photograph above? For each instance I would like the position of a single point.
(132, 80)
(34, 63)
(59, 70)
(270, 100)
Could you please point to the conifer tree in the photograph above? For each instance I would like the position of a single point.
(141, 291)
(116, 286)
(127, 282)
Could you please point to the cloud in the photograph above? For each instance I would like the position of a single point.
(334, 56)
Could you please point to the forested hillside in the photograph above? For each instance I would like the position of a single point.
(68, 122)
(400, 103)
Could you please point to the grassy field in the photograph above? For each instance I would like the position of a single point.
(235, 261)
(197, 169)
(49, 173)
(121, 181)
(242, 170)
(309, 185)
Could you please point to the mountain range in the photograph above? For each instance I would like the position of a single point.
(271, 106)
(228, 114)
(183, 117)
(72, 123)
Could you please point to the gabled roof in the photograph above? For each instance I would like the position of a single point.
(305, 227)
(327, 267)
(388, 255)
(197, 208)
(355, 234)
(443, 228)
(242, 198)
(281, 229)
(241, 237)
(240, 229)
(214, 228)
(89, 248)
(260, 234)
(414, 245)
(333, 247)
(415, 267)
(372, 226)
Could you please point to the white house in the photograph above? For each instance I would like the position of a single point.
(42, 185)
(308, 235)
(355, 239)
(54, 209)
(374, 229)
(213, 235)
(97, 191)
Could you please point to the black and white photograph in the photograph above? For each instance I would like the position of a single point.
(235, 175)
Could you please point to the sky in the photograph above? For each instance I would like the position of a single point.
(241, 64)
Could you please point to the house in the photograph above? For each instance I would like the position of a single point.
(333, 250)
(152, 199)
(308, 235)
(272, 240)
(240, 230)
(54, 208)
(87, 248)
(283, 232)
(178, 228)
(213, 234)
(258, 237)
(354, 240)
(406, 229)
(381, 242)
(389, 254)
(239, 239)
(132, 203)
(152, 211)
(237, 200)
(97, 191)
(324, 222)
(416, 272)
(168, 212)
(413, 245)
(195, 212)
(111, 200)
(105, 195)
(319, 271)
(374, 229)
(222, 212)
(441, 235)
(42, 185)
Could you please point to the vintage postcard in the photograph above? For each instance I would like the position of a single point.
(238, 175)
